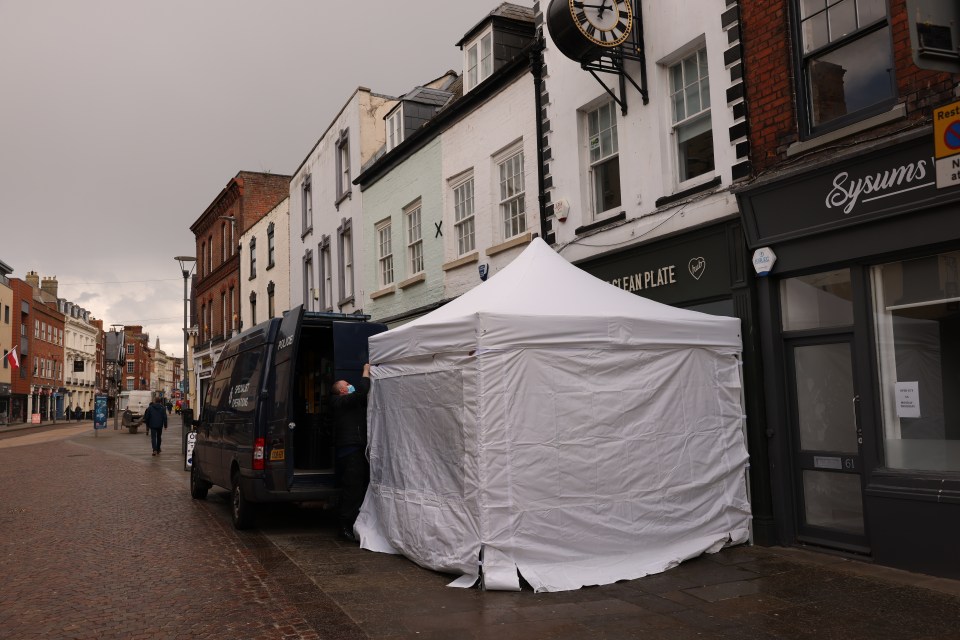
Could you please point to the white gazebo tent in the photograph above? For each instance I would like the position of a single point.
(551, 424)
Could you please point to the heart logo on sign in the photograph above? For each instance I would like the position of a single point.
(696, 267)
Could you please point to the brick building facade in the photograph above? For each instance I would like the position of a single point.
(247, 197)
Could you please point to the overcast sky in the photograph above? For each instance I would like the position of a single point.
(121, 120)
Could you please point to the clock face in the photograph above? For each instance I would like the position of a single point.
(606, 23)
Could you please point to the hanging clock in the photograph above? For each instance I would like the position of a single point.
(582, 29)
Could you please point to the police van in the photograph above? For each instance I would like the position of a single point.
(265, 431)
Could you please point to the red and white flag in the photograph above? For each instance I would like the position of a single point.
(13, 359)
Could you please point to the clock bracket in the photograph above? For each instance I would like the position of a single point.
(612, 61)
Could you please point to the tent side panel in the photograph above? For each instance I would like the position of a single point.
(599, 465)
(422, 496)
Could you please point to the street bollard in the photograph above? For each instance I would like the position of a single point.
(186, 418)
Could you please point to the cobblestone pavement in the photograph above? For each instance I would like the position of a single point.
(99, 540)
(106, 543)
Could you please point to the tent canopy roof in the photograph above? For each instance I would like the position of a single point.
(541, 299)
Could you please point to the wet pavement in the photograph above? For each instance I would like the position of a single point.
(100, 540)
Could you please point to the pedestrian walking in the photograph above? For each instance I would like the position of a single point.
(353, 471)
(155, 417)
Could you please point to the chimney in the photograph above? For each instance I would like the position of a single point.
(49, 285)
(32, 279)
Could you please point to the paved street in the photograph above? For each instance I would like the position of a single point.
(100, 540)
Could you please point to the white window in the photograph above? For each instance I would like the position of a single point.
(385, 253)
(463, 217)
(395, 128)
(271, 247)
(343, 165)
(306, 205)
(847, 60)
(479, 64)
(690, 101)
(512, 208)
(223, 242)
(326, 275)
(345, 248)
(414, 239)
(604, 158)
(310, 294)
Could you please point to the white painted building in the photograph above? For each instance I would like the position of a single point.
(451, 197)
(325, 208)
(490, 182)
(80, 339)
(663, 167)
(265, 267)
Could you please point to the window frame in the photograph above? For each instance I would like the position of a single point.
(504, 202)
(414, 237)
(386, 274)
(803, 90)
(690, 120)
(394, 127)
(343, 185)
(481, 73)
(253, 308)
(458, 238)
(271, 303)
(308, 283)
(345, 260)
(253, 257)
(325, 265)
(271, 246)
(593, 165)
(306, 206)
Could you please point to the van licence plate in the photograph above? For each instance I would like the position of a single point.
(277, 454)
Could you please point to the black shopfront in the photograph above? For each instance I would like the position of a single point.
(859, 323)
(706, 269)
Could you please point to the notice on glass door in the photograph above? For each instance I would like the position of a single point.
(908, 400)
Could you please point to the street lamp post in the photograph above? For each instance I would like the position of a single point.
(186, 413)
(120, 331)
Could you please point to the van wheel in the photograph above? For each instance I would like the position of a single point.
(241, 509)
(198, 488)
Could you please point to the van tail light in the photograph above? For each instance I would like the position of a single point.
(258, 447)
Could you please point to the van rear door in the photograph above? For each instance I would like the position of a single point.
(350, 350)
(280, 407)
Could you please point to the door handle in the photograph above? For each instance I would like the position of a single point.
(856, 418)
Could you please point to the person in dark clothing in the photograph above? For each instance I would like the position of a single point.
(156, 420)
(350, 425)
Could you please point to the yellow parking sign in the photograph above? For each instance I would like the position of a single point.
(946, 130)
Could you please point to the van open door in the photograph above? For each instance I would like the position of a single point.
(279, 427)
(350, 350)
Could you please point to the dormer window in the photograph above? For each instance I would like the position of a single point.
(395, 128)
(479, 59)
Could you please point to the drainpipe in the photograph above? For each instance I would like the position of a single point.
(536, 68)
